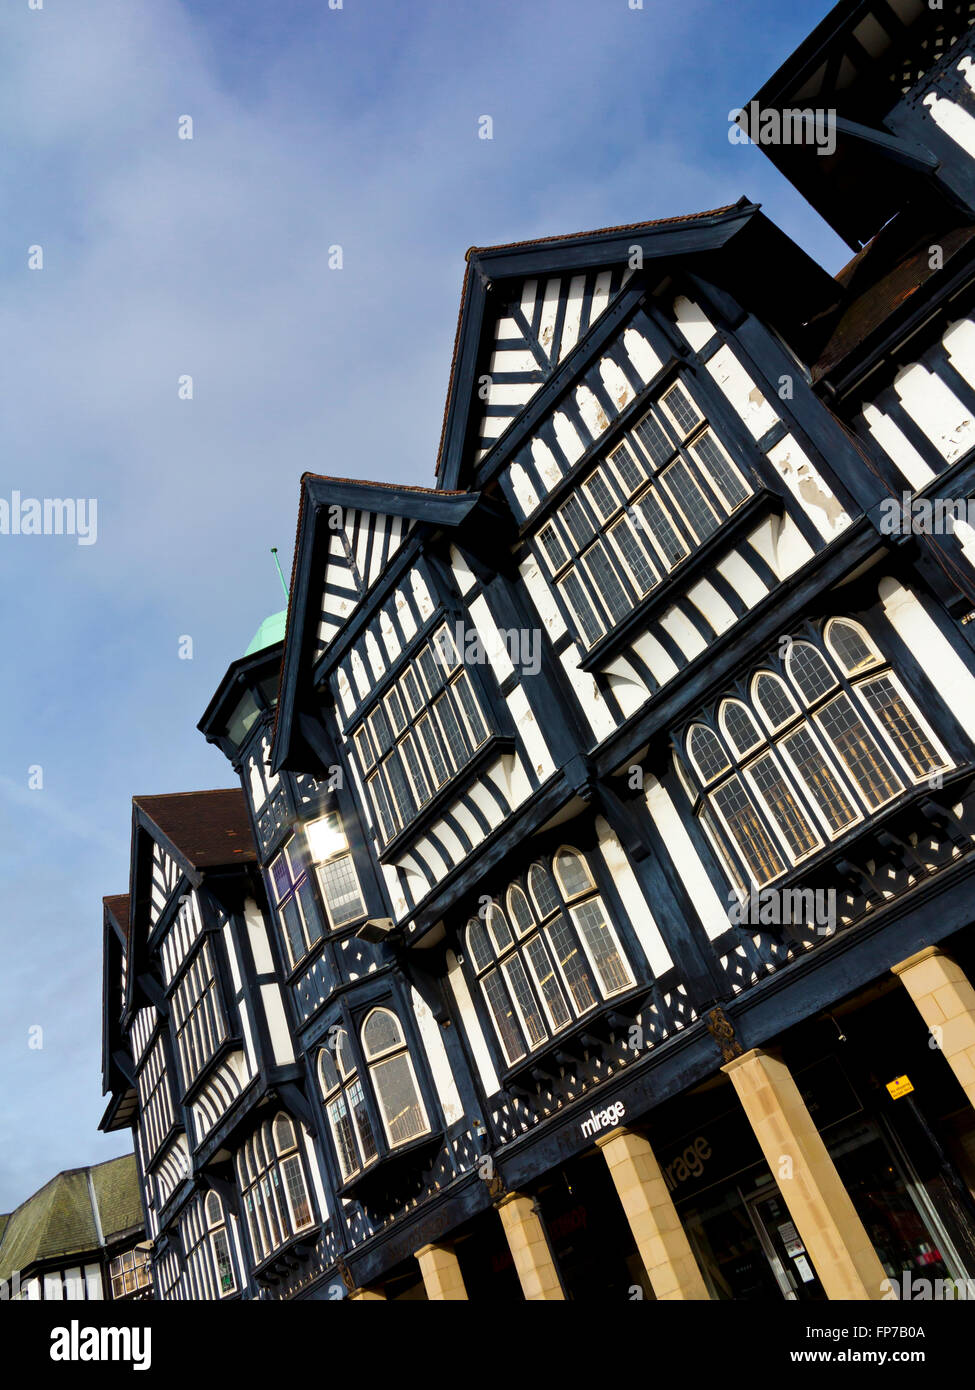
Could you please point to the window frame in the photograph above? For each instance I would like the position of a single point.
(214, 1229)
(374, 1061)
(560, 915)
(202, 954)
(342, 854)
(404, 751)
(844, 690)
(259, 1164)
(566, 542)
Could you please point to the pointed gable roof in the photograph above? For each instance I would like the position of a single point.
(525, 305)
(348, 533)
(118, 909)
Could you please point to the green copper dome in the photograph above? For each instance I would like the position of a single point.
(270, 632)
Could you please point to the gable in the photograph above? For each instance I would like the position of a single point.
(359, 550)
(165, 876)
(542, 320)
(526, 305)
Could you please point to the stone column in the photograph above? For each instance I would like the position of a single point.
(529, 1248)
(945, 999)
(819, 1204)
(442, 1278)
(366, 1296)
(664, 1248)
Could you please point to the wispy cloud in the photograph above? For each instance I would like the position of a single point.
(210, 257)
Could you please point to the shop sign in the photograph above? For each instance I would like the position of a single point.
(725, 1143)
(603, 1119)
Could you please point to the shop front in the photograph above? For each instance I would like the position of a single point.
(880, 1098)
(878, 1095)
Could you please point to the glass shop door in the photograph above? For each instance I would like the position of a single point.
(787, 1256)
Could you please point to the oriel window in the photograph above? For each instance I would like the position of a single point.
(550, 959)
(827, 738)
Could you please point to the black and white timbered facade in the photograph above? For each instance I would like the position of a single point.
(618, 792)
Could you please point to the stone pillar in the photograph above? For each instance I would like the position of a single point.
(664, 1248)
(824, 1215)
(529, 1248)
(945, 999)
(442, 1278)
(366, 1296)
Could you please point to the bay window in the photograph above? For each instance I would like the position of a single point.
(345, 1107)
(318, 853)
(393, 1089)
(552, 957)
(198, 1017)
(273, 1187)
(825, 740)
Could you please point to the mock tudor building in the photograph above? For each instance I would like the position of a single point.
(604, 925)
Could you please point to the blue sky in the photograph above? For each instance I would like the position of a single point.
(164, 257)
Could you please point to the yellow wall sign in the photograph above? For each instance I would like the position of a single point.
(900, 1086)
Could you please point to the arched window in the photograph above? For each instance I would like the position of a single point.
(809, 671)
(220, 1245)
(519, 911)
(775, 702)
(393, 1078)
(498, 927)
(329, 851)
(573, 874)
(835, 738)
(739, 726)
(851, 646)
(284, 1134)
(345, 1107)
(562, 957)
(273, 1186)
(886, 698)
(706, 752)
